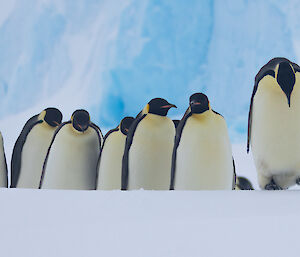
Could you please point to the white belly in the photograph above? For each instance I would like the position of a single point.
(150, 154)
(3, 166)
(110, 166)
(204, 157)
(275, 135)
(33, 155)
(72, 160)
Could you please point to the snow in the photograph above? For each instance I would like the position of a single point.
(148, 223)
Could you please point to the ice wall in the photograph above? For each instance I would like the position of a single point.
(111, 57)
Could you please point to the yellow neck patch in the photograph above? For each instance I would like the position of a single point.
(146, 109)
(42, 115)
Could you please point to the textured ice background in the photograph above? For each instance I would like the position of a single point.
(112, 57)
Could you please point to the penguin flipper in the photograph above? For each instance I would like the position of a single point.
(129, 139)
(99, 132)
(234, 175)
(48, 151)
(18, 147)
(5, 163)
(179, 130)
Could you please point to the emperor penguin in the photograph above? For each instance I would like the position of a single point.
(3, 165)
(243, 183)
(71, 161)
(274, 124)
(110, 160)
(148, 149)
(31, 147)
(202, 157)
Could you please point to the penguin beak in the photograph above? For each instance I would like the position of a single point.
(55, 122)
(196, 103)
(168, 106)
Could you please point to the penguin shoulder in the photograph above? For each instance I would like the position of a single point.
(266, 84)
(155, 123)
(220, 125)
(96, 127)
(111, 134)
(219, 118)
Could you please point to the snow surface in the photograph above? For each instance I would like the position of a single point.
(149, 223)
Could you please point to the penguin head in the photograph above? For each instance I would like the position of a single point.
(285, 76)
(283, 72)
(199, 103)
(158, 106)
(125, 124)
(80, 120)
(53, 116)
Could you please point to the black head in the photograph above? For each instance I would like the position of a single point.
(286, 79)
(80, 120)
(199, 103)
(159, 106)
(283, 71)
(125, 124)
(53, 117)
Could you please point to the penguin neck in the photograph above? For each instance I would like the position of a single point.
(156, 118)
(203, 116)
(76, 132)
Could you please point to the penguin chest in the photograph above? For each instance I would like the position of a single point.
(72, 160)
(204, 158)
(110, 166)
(33, 155)
(275, 134)
(151, 154)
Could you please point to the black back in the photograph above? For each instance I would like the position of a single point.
(18, 147)
(129, 139)
(267, 69)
